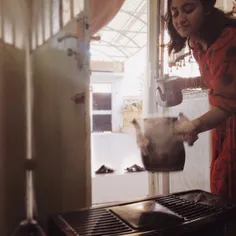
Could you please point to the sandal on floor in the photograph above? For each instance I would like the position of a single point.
(134, 168)
(104, 170)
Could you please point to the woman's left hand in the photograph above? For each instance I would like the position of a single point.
(184, 125)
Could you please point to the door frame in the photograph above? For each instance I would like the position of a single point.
(158, 182)
(87, 73)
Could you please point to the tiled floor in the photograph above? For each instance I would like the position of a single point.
(117, 151)
(119, 188)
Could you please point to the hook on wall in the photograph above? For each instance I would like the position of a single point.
(78, 53)
(79, 98)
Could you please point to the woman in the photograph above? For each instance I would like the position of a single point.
(212, 37)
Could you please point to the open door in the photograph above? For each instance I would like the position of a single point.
(61, 109)
(12, 116)
(61, 115)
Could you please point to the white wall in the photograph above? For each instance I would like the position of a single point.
(197, 168)
(117, 104)
(133, 68)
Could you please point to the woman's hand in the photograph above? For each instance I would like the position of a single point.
(186, 129)
(184, 125)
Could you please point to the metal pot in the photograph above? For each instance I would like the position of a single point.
(168, 96)
(161, 151)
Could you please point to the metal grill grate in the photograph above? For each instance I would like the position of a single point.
(96, 222)
(101, 222)
(188, 210)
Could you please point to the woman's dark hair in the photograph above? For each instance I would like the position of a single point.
(213, 24)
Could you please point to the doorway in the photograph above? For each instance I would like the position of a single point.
(118, 59)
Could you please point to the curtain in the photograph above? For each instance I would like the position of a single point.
(101, 13)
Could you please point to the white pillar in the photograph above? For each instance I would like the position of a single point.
(87, 73)
(164, 181)
(152, 73)
(26, 7)
(158, 182)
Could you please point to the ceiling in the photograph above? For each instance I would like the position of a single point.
(125, 35)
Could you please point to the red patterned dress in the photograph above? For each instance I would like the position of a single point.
(218, 71)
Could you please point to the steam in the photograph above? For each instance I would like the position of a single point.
(141, 140)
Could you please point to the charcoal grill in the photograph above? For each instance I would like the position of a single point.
(197, 213)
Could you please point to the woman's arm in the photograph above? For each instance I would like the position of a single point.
(191, 83)
(210, 120)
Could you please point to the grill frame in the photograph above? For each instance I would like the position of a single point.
(221, 217)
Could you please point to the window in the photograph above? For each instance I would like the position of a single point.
(101, 107)
(102, 123)
(102, 101)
